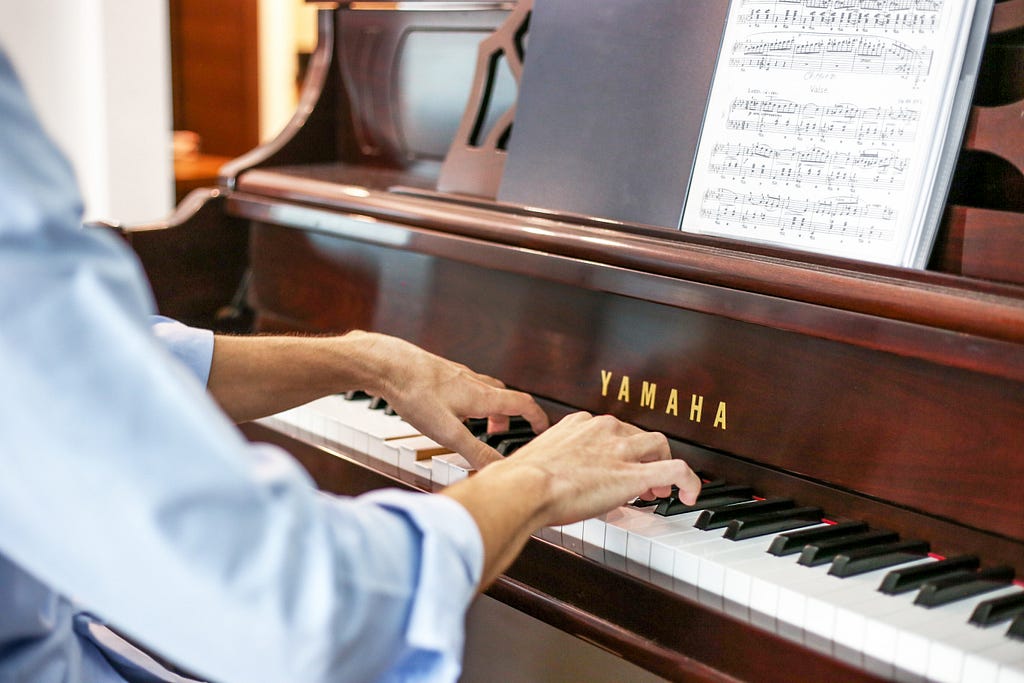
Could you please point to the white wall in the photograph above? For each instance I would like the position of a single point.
(283, 31)
(276, 66)
(98, 72)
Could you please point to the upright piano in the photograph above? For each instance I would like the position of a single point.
(883, 402)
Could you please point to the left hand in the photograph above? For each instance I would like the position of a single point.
(435, 395)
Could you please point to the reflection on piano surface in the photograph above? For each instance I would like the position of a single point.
(857, 426)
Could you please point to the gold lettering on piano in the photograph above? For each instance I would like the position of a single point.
(720, 416)
(647, 394)
(672, 407)
(649, 399)
(696, 407)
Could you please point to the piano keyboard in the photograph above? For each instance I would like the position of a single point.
(796, 593)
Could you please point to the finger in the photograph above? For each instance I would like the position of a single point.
(664, 473)
(499, 405)
(535, 415)
(453, 434)
(661, 492)
(497, 423)
(649, 446)
(573, 418)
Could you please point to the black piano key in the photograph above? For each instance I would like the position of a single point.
(476, 425)
(389, 410)
(641, 503)
(952, 588)
(718, 517)
(494, 438)
(902, 580)
(356, 395)
(723, 495)
(1016, 629)
(772, 523)
(378, 403)
(821, 552)
(510, 446)
(518, 422)
(998, 609)
(854, 562)
(794, 542)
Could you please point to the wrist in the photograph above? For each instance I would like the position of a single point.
(525, 484)
(355, 360)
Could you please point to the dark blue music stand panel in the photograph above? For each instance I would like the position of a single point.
(611, 105)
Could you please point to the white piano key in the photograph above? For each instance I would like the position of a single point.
(440, 471)
(593, 539)
(617, 522)
(1004, 661)
(949, 637)
(454, 465)
(916, 630)
(716, 559)
(458, 467)
(1012, 671)
(425, 468)
(819, 619)
(413, 449)
(643, 529)
(738, 583)
(572, 537)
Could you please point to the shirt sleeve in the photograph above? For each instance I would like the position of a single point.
(190, 345)
(126, 488)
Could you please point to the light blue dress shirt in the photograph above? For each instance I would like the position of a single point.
(124, 491)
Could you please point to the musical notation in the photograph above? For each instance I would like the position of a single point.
(862, 55)
(843, 120)
(864, 5)
(875, 168)
(844, 15)
(825, 125)
(842, 217)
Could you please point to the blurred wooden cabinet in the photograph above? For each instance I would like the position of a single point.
(215, 83)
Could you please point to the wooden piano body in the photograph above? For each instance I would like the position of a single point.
(877, 393)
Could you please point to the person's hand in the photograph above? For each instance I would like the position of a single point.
(594, 464)
(580, 468)
(435, 395)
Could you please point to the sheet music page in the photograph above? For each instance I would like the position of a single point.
(825, 124)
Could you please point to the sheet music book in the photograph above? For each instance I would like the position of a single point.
(833, 126)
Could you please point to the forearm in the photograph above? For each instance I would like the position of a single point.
(255, 376)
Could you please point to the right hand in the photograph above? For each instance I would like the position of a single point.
(595, 464)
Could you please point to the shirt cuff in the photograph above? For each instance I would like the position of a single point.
(451, 565)
(191, 345)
